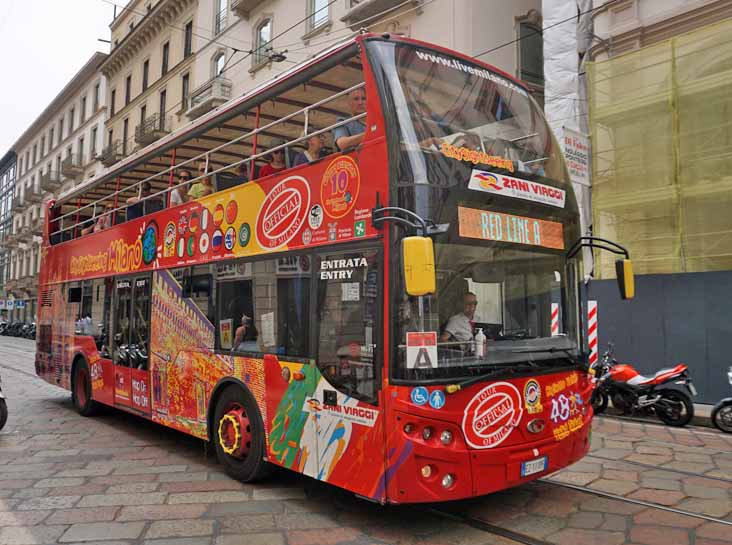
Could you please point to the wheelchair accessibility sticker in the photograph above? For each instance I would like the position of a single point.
(419, 395)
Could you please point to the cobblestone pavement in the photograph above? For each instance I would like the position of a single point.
(117, 479)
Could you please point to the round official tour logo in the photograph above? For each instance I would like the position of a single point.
(492, 415)
(283, 212)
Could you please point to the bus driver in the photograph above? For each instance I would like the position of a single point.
(460, 326)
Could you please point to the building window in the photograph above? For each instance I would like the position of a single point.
(60, 130)
(262, 39)
(166, 54)
(110, 138)
(35, 153)
(80, 149)
(318, 11)
(43, 146)
(219, 63)
(163, 99)
(50, 139)
(125, 134)
(143, 114)
(188, 40)
(185, 88)
(219, 16)
(82, 111)
(128, 89)
(112, 100)
(72, 119)
(145, 74)
(93, 150)
(531, 53)
(95, 101)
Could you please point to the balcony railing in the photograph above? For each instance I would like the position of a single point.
(151, 129)
(71, 166)
(368, 11)
(243, 8)
(36, 227)
(19, 204)
(50, 181)
(10, 240)
(11, 284)
(111, 154)
(33, 195)
(209, 96)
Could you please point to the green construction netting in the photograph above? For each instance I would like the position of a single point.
(661, 123)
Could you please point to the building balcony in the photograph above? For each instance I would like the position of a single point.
(19, 204)
(361, 10)
(10, 240)
(111, 154)
(209, 96)
(50, 181)
(71, 166)
(36, 227)
(243, 8)
(33, 195)
(11, 285)
(151, 129)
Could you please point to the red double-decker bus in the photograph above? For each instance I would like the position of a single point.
(368, 275)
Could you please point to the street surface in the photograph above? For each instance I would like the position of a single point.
(117, 479)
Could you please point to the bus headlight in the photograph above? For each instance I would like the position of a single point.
(448, 480)
(427, 471)
(426, 433)
(408, 428)
(446, 437)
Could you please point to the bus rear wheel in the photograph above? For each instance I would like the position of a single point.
(81, 391)
(238, 434)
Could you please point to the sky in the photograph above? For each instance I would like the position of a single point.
(43, 43)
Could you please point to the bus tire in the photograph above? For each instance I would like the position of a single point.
(238, 435)
(81, 390)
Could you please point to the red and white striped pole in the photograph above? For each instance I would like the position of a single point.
(592, 330)
(555, 319)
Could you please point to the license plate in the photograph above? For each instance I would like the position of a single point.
(692, 388)
(533, 466)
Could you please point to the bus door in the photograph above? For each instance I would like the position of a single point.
(131, 332)
(350, 424)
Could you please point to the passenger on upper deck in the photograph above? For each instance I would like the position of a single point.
(315, 146)
(204, 186)
(276, 159)
(104, 221)
(140, 204)
(351, 134)
(179, 195)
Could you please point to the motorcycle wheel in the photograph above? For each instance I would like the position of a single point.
(3, 413)
(722, 417)
(599, 401)
(681, 413)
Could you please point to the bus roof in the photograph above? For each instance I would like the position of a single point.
(233, 107)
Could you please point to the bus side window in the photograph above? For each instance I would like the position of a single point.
(347, 316)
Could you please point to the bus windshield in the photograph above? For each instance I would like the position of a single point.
(475, 152)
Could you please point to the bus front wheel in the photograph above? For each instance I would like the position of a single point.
(81, 390)
(238, 434)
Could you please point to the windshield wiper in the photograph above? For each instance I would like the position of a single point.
(504, 369)
(552, 349)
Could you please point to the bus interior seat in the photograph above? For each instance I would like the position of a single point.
(226, 180)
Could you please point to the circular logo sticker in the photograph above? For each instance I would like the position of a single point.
(232, 209)
(181, 247)
(216, 240)
(205, 218)
(218, 214)
(229, 238)
(182, 225)
(492, 415)
(150, 243)
(282, 213)
(245, 233)
(437, 399)
(315, 219)
(419, 395)
(191, 246)
(307, 236)
(169, 240)
(532, 396)
(194, 222)
(339, 187)
(203, 243)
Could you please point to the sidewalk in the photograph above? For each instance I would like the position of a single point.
(702, 415)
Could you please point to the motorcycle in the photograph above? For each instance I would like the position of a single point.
(667, 393)
(3, 407)
(722, 412)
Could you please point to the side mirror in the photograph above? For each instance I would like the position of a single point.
(418, 258)
(626, 280)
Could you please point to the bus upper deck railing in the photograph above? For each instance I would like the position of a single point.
(114, 197)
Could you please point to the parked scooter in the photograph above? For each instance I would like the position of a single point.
(3, 407)
(722, 412)
(667, 394)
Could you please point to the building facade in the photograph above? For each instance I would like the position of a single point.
(7, 186)
(174, 60)
(661, 126)
(57, 152)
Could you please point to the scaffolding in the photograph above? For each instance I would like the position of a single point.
(661, 125)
